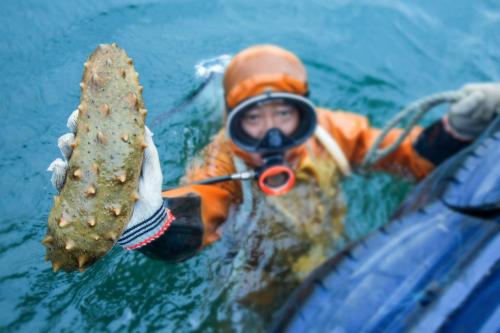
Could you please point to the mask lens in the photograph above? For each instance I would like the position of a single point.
(284, 108)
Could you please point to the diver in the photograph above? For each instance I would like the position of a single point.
(275, 136)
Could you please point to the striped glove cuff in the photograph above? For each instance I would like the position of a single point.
(148, 230)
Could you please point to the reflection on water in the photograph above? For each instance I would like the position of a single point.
(372, 57)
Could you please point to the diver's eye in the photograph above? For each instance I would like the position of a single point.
(284, 113)
(252, 116)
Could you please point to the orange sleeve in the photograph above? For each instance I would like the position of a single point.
(215, 160)
(355, 136)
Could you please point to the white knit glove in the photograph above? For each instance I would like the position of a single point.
(150, 217)
(471, 115)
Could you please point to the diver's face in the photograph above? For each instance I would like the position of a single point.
(260, 119)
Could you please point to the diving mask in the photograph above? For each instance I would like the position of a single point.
(270, 143)
(274, 176)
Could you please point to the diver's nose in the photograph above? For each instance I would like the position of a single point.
(269, 122)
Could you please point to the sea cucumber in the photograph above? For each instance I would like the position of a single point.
(101, 184)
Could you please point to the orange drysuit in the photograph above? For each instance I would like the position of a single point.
(293, 233)
(352, 133)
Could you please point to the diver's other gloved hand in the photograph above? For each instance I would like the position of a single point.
(471, 115)
(150, 218)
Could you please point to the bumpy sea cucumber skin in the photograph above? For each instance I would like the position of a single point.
(100, 190)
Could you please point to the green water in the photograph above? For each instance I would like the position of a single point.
(372, 57)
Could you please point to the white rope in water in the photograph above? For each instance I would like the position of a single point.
(414, 112)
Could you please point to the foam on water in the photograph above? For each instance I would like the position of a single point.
(216, 65)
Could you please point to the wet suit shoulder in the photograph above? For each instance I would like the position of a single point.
(417, 155)
(199, 209)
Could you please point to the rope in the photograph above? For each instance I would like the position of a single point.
(414, 112)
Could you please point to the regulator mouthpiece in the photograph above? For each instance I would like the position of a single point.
(275, 177)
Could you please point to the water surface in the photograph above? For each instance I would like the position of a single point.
(371, 57)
